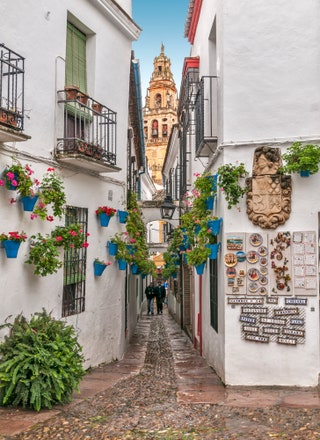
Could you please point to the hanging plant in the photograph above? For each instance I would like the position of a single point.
(229, 176)
(19, 177)
(301, 158)
(51, 193)
(44, 252)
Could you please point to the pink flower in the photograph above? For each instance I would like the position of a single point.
(14, 183)
(50, 169)
(59, 238)
(71, 245)
(50, 218)
(73, 233)
(33, 216)
(1, 182)
(85, 245)
(12, 200)
(10, 175)
(87, 234)
(137, 233)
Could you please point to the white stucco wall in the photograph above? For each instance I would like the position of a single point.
(267, 61)
(38, 33)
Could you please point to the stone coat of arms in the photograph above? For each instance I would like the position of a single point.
(269, 192)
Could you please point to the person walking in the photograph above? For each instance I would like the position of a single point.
(160, 294)
(150, 293)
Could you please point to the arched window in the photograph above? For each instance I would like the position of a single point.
(164, 130)
(157, 100)
(154, 129)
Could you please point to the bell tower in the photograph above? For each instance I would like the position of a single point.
(159, 113)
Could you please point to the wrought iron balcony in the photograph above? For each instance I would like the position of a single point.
(89, 132)
(11, 95)
(206, 116)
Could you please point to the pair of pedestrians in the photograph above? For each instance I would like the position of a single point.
(159, 293)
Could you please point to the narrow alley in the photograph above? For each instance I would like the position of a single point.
(163, 389)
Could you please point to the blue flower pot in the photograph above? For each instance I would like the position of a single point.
(214, 225)
(197, 229)
(131, 248)
(11, 247)
(122, 264)
(113, 248)
(200, 268)
(134, 269)
(305, 173)
(214, 180)
(28, 202)
(98, 268)
(104, 219)
(214, 248)
(123, 215)
(210, 203)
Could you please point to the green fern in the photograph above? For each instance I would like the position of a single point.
(41, 362)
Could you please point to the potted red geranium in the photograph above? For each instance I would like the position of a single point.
(105, 213)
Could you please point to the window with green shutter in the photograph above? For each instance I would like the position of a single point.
(76, 64)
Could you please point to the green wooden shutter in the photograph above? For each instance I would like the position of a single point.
(76, 68)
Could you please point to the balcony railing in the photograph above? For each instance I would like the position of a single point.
(11, 90)
(206, 115)
(89, 132)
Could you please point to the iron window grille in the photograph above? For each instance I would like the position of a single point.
(11, 88)
(75, 262)
(214, 294)
(206, 116)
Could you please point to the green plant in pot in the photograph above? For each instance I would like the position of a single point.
(301, 158)
(198, 254)
(229, 176)
(51, 193)
(41, 362)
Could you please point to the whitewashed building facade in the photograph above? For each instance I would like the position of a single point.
(85, 45)
(258, 79)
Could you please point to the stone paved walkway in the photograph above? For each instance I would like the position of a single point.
(163, 389)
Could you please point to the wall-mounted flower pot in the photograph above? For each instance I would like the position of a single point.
(9, 183)
(215, 225)
(11, 247)
(98, 268)
(213, 179)
(134, 269)
(104, 219)
(200, 268)
(304, 173)
(28, 202)
(214, 248)
(210, 203)
(113, 248)
(123, 215)
(131, 248)
(122, 264)
(197, 229)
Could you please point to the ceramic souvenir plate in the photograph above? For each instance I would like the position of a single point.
(253, 274)
(263, 280)
(263, 261)
(263, 251)
(263, 270)
(253, 287)
(262, 291)
(255, 240)
(230, 259)
(252, 257)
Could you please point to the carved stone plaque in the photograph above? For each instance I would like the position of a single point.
(269, 192)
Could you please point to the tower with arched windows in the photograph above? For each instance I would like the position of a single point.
(159, 113)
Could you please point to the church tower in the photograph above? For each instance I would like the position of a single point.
(159, 114)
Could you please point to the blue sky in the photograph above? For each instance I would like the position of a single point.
(161, 21)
